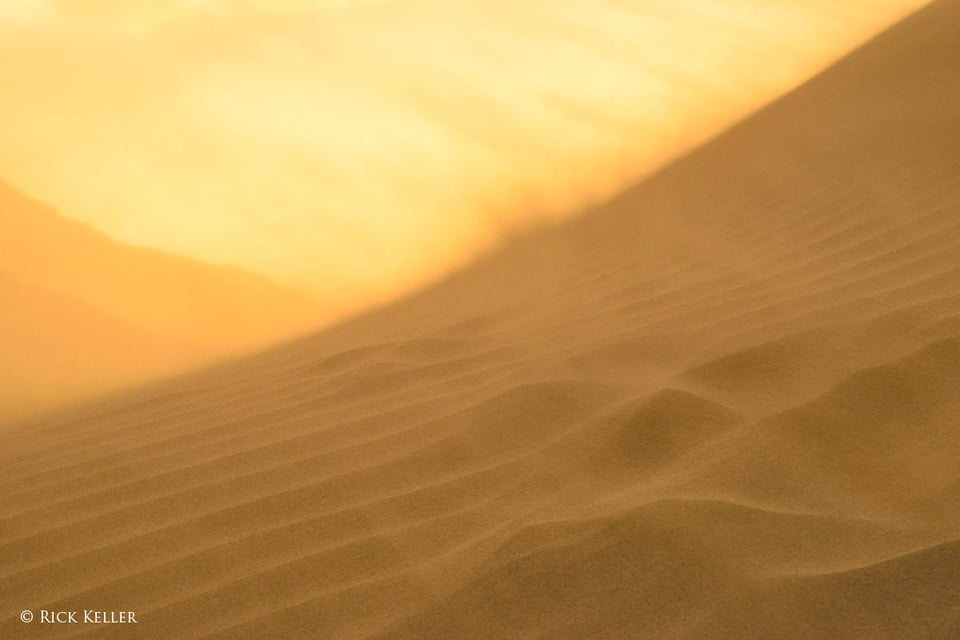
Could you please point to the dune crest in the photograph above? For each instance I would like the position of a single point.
(722, 405)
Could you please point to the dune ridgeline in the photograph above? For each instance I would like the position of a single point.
(721, 405)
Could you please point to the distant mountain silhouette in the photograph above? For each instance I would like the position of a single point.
(84, 312)
(55, 348)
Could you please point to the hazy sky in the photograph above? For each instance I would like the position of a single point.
(357, 147)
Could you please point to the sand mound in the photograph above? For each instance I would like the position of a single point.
(723, 405)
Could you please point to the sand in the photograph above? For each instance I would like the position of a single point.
(722, 405)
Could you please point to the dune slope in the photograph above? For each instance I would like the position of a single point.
(722, 405)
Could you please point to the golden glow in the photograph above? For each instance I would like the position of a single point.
(356, 149)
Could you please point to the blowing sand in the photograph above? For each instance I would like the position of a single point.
(722, 406)
(82, 313)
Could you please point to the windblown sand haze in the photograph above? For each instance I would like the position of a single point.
(721, 405)
(83, 313)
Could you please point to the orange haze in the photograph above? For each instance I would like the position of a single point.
(356, 149)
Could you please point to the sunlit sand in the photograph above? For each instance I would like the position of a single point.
(719, 405)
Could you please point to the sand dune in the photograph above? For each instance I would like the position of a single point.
(722, 405)
(83, 313)
(250, 133)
